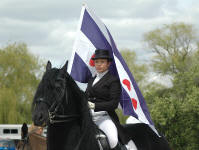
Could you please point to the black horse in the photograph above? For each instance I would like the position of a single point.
(60, 105)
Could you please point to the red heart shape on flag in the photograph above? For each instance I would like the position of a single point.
(91, 62)
(127, 83)
(134, 101)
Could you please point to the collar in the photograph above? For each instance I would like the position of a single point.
(100, 75)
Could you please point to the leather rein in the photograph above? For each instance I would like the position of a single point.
(54, 117)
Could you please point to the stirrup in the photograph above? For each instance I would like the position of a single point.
(102, 140)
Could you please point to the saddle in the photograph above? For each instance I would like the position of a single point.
(104, 143)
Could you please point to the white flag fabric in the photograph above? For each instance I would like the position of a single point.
(92, 34)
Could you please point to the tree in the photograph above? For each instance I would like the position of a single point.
(174, 110)
(172, 45)
(19, 76)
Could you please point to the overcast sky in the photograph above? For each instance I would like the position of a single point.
(48, 27)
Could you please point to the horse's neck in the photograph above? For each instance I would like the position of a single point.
(69, 135)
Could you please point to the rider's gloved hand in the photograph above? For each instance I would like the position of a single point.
(91, 105)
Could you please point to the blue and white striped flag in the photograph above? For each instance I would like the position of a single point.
(92, 34)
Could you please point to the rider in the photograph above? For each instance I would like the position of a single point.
(103, 92)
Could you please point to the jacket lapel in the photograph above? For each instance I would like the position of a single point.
(90, 83)
(104, 78)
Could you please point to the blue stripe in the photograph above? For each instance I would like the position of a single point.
(126, 103)
(80, 71)
(94, 34)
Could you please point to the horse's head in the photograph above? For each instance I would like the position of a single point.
(51, 95)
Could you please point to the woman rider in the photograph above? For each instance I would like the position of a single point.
(103, 93)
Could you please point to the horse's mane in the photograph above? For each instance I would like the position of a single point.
(87, 125)
(83, 102)
(76, 97)
(74, 92)
(43, 83)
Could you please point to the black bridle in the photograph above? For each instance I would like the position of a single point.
(54, 117)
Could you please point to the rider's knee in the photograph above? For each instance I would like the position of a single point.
(113, 142)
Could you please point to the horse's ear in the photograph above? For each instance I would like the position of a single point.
(48, 66)
(65, 67)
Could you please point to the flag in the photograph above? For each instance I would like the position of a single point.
(93, 34)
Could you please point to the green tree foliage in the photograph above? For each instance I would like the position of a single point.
(175, 110)
(19, 74)
(172, 45)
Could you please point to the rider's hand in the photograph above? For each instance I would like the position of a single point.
(91, 105)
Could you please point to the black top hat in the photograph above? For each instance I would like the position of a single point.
(102, 54)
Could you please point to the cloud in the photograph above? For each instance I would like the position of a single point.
(49, 27)
(40, 10)
(129, 8)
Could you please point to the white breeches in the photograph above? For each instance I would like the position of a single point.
(108, 127)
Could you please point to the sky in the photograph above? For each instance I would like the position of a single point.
(49, 27)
